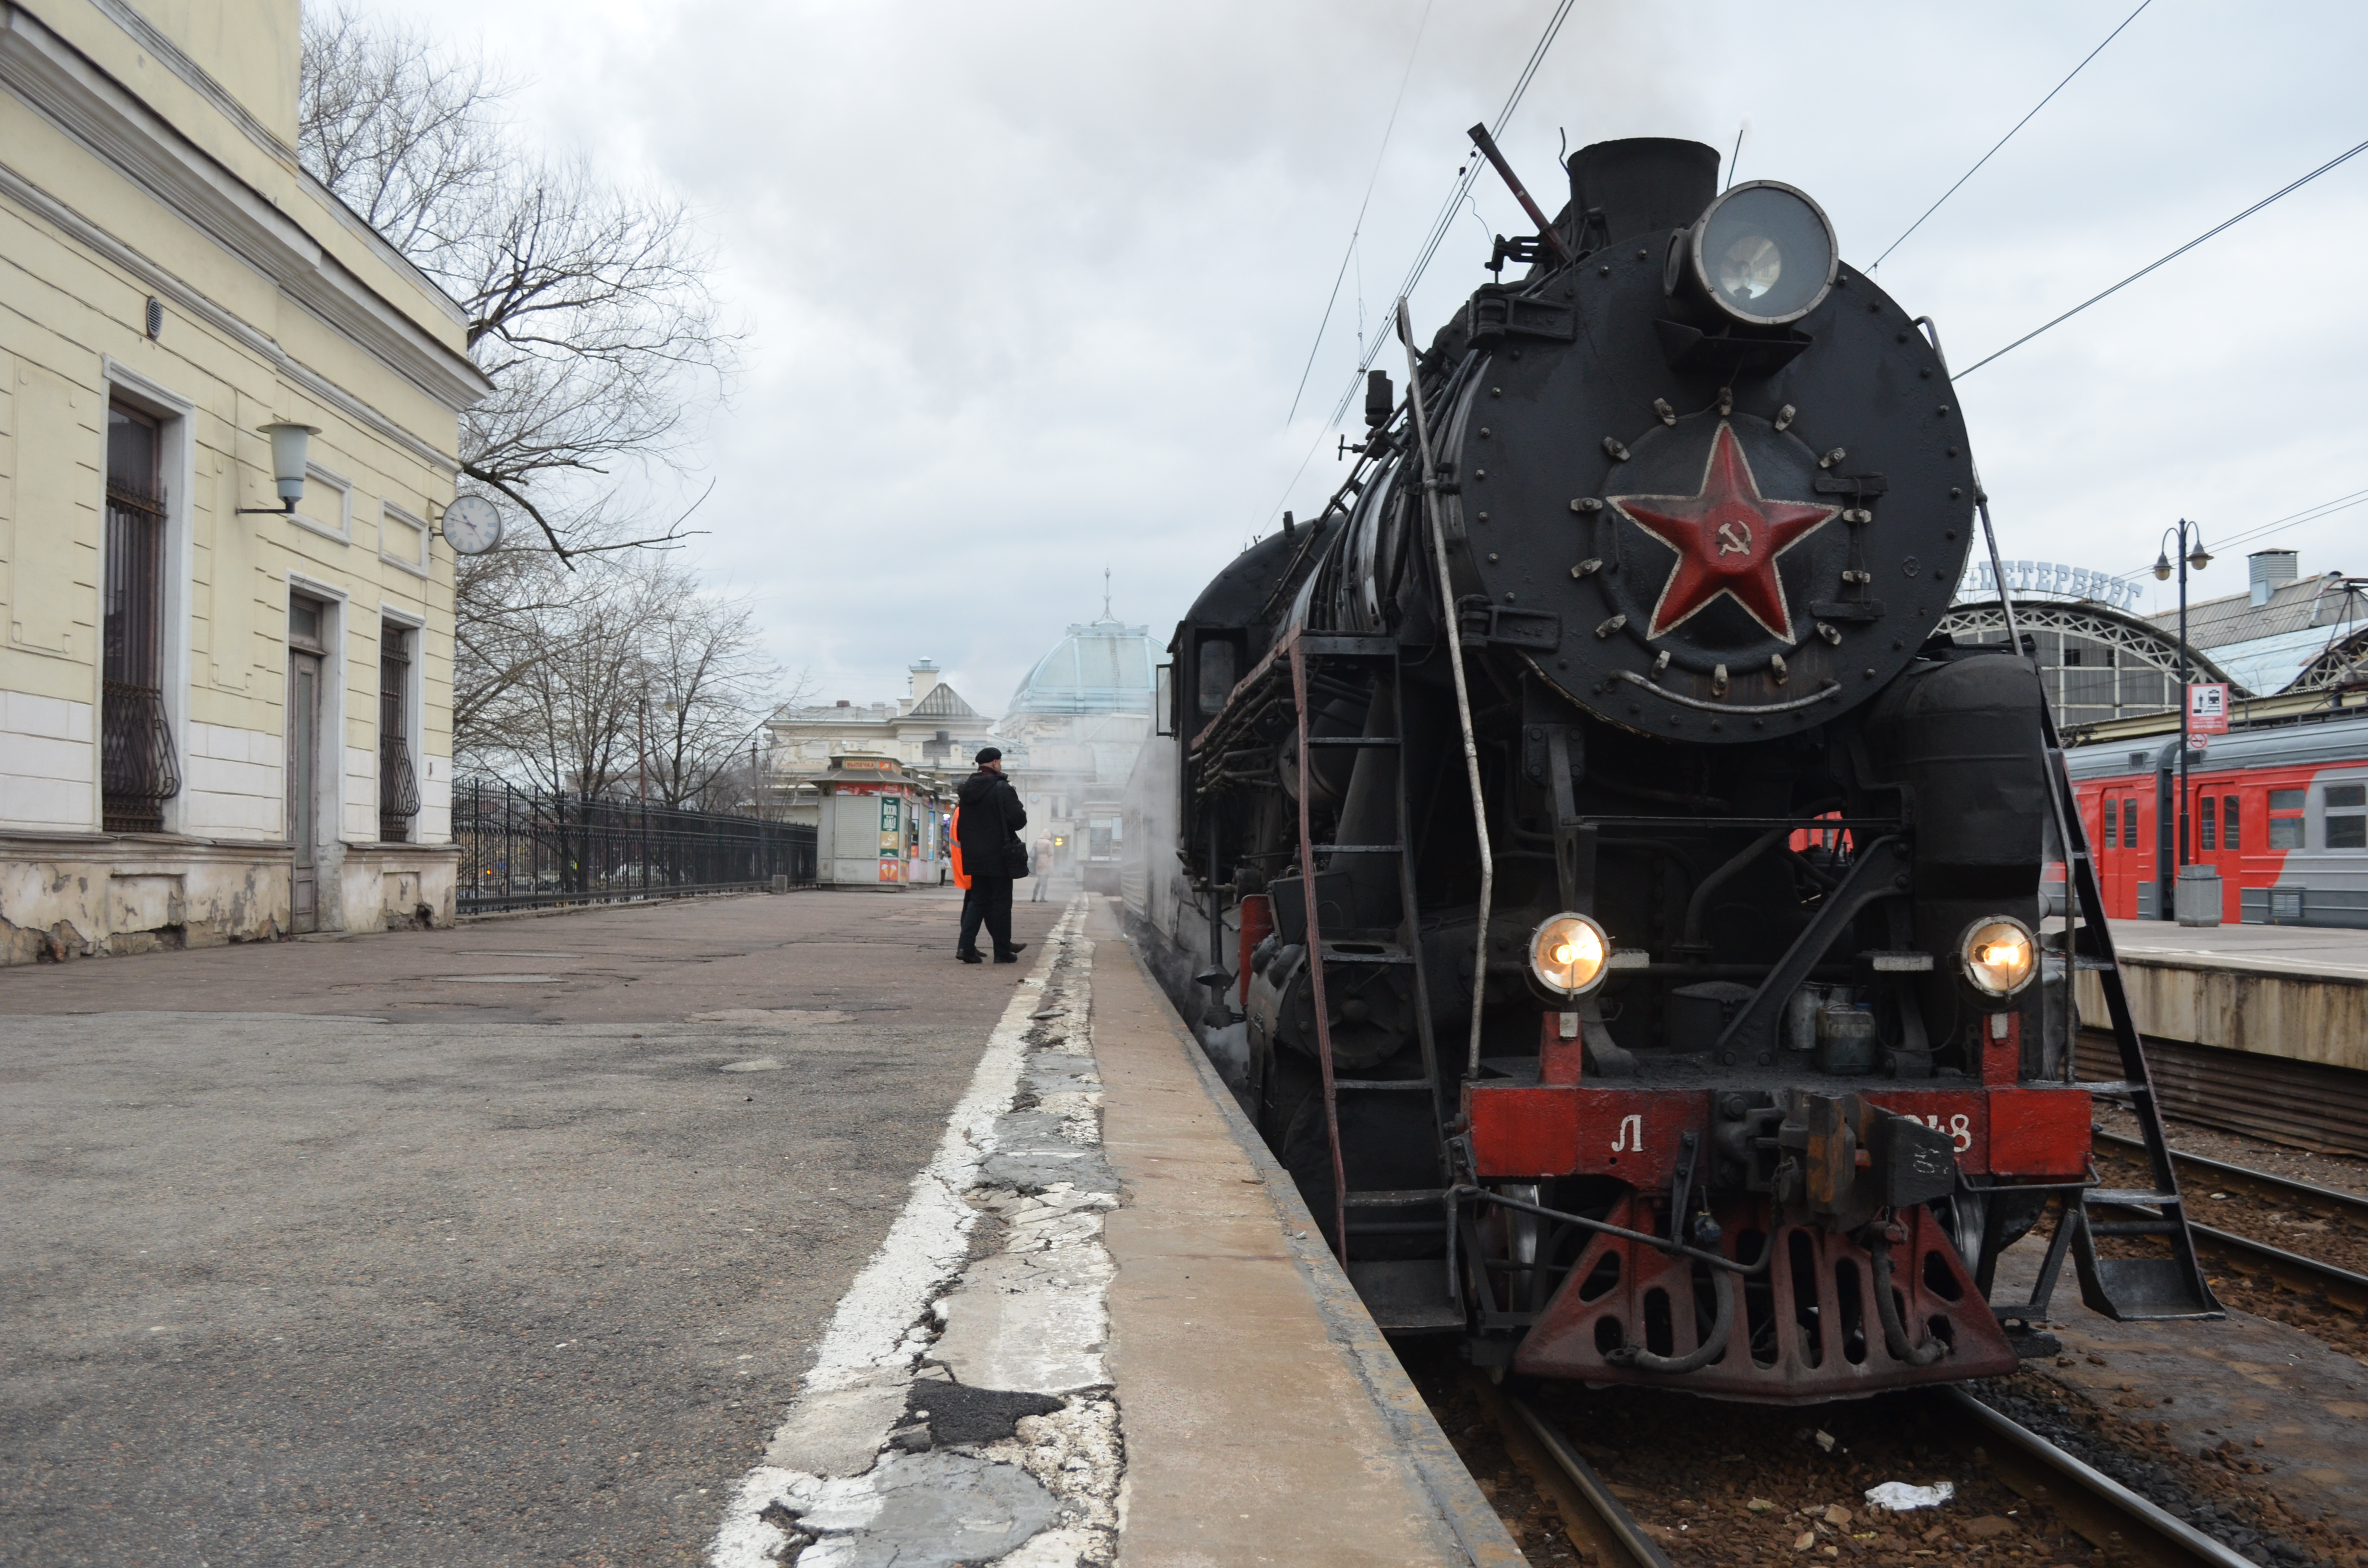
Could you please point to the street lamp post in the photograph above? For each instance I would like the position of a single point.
(2198, 558)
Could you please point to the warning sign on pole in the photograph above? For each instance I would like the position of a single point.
(2207, 708)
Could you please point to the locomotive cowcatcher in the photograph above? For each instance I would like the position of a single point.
(1643, 940)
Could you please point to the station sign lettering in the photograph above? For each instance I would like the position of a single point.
(2051, 577)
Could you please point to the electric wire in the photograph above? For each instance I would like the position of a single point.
(2174, 256)
(2002, 140)
(1358, 228)
(1465, 179)
(1437, 233)
(2276, 525)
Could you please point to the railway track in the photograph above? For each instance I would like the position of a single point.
(2295, 1270)
(2101, 1509)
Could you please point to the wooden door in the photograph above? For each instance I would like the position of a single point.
(303, 788)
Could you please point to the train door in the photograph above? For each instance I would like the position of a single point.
(2218, 822)
(2123, 864)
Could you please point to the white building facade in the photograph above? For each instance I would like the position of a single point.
(220, 719)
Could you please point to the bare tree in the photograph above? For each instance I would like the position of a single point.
(619, 679)
(588, 308)
(712, 687)
(571, 717)
(406, 135)
(588, 302)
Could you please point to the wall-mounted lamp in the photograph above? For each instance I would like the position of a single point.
(289, 443)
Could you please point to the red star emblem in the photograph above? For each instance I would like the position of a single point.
(1727, 539)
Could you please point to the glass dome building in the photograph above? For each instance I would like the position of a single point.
(1070, 737)
(1105, 668)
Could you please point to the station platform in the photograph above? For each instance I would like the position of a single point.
(1105, 1329)
(2258, 1030)
(675, 1235)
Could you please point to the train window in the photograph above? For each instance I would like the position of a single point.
(2347, 816)
(2113, 821)
(2285, 830)
(2130, 821)
(1216, 674)
(2228, 823)
(2207, 824)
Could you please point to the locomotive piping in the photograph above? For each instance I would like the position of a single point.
(1716, 1260)
(1886, 1307)
(1702, 1355)
(1451, 630)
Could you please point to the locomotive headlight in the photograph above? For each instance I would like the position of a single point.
(1999, 955)
(1764, 253)
(1566, 954)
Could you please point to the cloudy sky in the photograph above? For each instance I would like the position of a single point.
(1029, 288)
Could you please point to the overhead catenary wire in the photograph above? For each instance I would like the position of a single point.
(1465, 180)
(1440, 225)
(2263, 530)
(2283, 190)
(2002, 140)
(1358, 228)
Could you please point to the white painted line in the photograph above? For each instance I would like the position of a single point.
(856, 1386)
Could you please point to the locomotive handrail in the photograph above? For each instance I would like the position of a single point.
(1448, 624)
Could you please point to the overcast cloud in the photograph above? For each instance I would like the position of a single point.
(1027, 287)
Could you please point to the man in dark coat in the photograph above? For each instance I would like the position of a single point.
(989, 825)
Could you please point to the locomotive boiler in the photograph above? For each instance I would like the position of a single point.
(1625, 918)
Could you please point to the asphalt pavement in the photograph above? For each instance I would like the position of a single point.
(503, 1244)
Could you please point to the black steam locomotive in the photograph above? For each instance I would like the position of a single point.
(1623, 916)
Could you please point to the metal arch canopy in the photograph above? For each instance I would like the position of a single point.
(2149, 644)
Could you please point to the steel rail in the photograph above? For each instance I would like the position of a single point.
(2091, 1503)
(2292, 1269)
(1620, 1540)
(2244, 1178)
(2088, 1499)
(2296, 1271)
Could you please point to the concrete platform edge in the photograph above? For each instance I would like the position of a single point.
(1467, 1516)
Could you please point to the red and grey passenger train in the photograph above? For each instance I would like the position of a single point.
(2281, 813)
(1478, 863)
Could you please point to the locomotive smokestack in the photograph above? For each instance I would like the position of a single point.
(1643, 185)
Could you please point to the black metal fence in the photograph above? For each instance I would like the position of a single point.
(521, 847)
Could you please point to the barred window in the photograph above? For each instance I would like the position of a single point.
(138, 771)
(398, 783)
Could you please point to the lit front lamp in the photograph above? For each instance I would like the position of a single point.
(1999, 955)
(1567, 953)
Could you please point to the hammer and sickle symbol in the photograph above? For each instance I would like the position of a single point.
(1734, 538)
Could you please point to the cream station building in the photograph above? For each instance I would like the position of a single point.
(219, 721)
